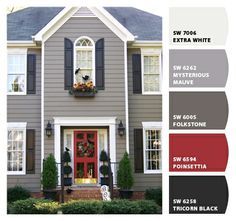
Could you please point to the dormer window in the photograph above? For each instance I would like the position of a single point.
(84, 65)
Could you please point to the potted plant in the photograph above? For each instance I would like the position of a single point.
(83, 89)
(67, 168)
(125, 178)
(104, 169)
(49, 178)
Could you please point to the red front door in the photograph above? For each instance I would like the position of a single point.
(85, 156)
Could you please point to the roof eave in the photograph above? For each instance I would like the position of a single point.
(145, 43)
(21, 43)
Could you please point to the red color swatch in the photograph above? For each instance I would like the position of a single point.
(198, 152)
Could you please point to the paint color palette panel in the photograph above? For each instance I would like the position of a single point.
(201, 69)
(198, 194)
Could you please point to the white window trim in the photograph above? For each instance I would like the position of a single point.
(150, 126)
(18, 51)
(19, 126)
(151, 52)
(93, 57)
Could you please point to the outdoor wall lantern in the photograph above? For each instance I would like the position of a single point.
(121, 129)
(48, 129)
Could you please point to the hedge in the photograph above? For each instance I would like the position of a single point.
(33, 206)
(154, 194)
(17, 193)
(82, 207)
(110, 207)
(42, 206)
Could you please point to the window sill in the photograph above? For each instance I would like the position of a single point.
(15, 173)
(154, 93)
(152, 172)
(17, 94)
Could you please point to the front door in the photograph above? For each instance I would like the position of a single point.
(85, 157)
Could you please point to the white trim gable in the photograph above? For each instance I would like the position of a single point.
(113, 24)
(68, 12)
(55, 24)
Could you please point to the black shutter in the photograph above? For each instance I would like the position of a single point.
(30, 151)
(99, 62)
(137, 74)
(68, 64)
(31, 74)
(138, 150)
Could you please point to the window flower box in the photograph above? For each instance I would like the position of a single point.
(83, 89)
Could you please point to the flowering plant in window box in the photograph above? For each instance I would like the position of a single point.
(86, 89)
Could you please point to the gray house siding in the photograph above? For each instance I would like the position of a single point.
(106, 103)
(142, 108)
(27, 108)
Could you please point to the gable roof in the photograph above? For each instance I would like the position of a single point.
(24, 24)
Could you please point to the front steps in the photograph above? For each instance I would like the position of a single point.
(89, 193)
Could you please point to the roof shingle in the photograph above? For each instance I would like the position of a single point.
(23, 24)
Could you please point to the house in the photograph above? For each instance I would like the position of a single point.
(117, 49)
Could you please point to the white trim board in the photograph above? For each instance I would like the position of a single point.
(68, 12)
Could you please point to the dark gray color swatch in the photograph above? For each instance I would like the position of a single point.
(198, 68)
(198, 110)
(198, 194)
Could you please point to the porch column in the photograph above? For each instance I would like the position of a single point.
(112, 142)
(57, 149)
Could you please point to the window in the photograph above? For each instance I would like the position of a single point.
(17, 71)
(151, 71)
(16, 147)
(152, 148)
(84, 60)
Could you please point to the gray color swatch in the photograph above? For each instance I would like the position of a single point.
(198, 110)
(198, 68)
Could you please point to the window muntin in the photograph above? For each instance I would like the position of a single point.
(84, 59)
(152, 150)
(16, 73)
(16, 150)
(151, 74)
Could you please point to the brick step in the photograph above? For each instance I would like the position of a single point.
(84, 194)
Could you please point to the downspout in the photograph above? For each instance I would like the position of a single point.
(42, 104)
(126, 96)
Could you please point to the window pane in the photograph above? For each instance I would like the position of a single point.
(15, 153)
(9, 135)
(153, 152)
(16, 83)
(151, 83)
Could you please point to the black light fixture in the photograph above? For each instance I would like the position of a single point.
(121, 129)
(48, 129)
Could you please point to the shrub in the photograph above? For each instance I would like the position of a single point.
(154, 194)
(49, 175)
(148, 207)
(17, 193)
(121, 207)
(82, 207)
(103, 156)
(47, 207)
(125, 178)
(104, 170)
(110, 207)
(34, 206)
